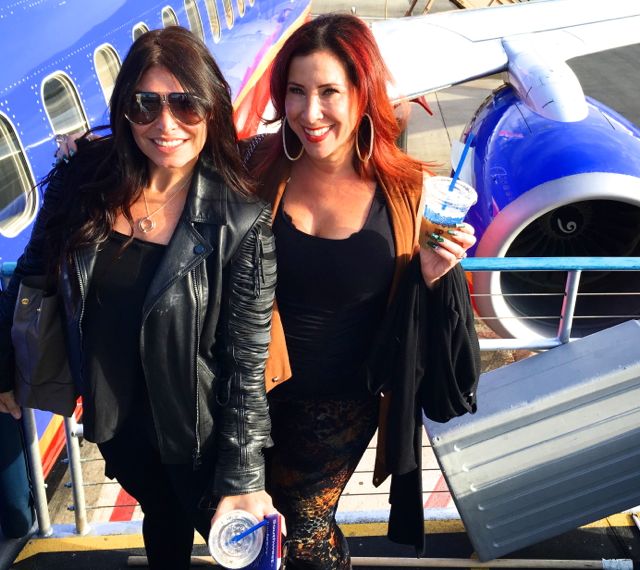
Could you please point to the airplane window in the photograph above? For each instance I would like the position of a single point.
(62, 104)
(240, 7)
(107, 65)
(18, 200)
(193, 15)
(214, 21)
(138, 30)
(169, 17)
(228, 13)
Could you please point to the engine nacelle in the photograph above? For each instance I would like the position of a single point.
(548, 188)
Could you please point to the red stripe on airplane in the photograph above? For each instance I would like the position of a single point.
(124, 507)
(439, 496)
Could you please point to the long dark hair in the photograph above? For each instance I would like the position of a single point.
(350, 40)
(110, 172)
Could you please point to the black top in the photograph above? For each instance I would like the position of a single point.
(332, 294)
(111, 327)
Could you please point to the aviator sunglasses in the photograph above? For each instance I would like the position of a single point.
(146, 106)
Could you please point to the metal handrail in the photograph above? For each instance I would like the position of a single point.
(573, 265)
(551, 263)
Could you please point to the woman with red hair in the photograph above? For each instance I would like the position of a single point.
(346, 218)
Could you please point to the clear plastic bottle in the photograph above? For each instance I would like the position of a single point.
(240, 553)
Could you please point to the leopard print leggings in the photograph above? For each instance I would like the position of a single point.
(318, 444)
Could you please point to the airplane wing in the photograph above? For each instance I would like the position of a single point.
(531, 41)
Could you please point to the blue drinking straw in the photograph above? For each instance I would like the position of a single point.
(461, 161)
(247, 532)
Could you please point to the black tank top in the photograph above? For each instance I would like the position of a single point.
(332, 294)
(111, 335)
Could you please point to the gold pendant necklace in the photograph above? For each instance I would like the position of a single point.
(146, 224)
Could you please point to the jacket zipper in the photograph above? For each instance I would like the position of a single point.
(82, 295)
(197, 455)
(258, 269)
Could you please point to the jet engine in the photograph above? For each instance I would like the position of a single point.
(546, 189)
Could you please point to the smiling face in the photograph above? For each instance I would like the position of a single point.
(321, 106)
(166, 142)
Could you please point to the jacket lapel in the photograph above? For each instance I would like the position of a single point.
(206, 206)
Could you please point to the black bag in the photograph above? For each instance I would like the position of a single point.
(43, 378)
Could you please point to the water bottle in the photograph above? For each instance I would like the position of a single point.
(240, 553)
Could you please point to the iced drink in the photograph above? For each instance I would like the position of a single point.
(445, 208)
(235, 554)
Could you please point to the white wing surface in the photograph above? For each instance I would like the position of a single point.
(531, 41)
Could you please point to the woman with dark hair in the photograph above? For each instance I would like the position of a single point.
(164, 260)
(346, 218)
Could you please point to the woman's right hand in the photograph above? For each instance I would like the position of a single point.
(443, 251)
(8, 405)
(259, 504)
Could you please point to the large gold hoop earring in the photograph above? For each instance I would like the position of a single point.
(284, 142)
(366, 158)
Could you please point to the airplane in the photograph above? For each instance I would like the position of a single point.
(59, 65)
(557, 173)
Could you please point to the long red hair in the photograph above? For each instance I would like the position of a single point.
(351, 41)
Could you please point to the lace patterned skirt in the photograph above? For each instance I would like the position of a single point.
(318, 444)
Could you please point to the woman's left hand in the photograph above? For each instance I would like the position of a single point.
(259, 504)
(66, 146)
(445, 250)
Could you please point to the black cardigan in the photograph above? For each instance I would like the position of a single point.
(427, 356)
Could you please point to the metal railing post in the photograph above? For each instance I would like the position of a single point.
(568, 306)
(37, 477)
(75, 470)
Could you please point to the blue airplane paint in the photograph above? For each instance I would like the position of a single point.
(517, 150)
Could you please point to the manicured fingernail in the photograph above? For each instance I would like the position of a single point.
(438, 238)
(433, 245)
(452, 232)
(461, 225)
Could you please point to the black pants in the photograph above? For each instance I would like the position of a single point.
(16, 513)
(172, 497)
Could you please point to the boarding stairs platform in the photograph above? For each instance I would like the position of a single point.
(97, 525)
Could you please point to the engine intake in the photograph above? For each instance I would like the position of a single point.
(528, 304)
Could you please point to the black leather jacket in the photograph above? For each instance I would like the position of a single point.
(205, 329)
